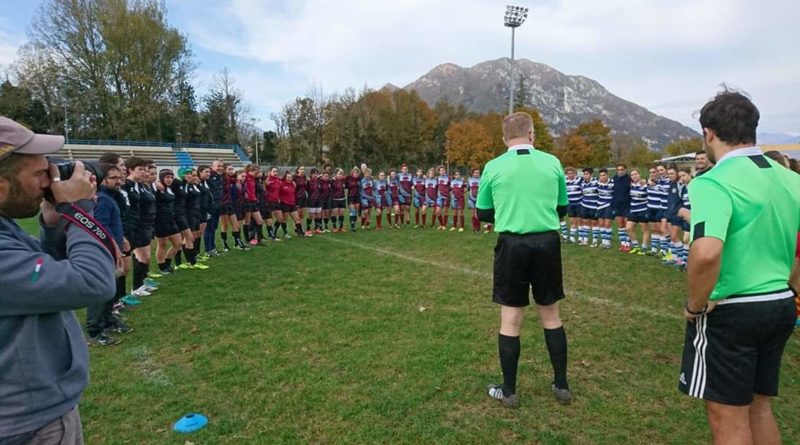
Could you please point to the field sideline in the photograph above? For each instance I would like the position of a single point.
(390, 337)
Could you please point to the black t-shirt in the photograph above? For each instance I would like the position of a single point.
(131, 191)
(147, 205)
(165, 206)
(206, 198)
(179, 206)
(192, 199)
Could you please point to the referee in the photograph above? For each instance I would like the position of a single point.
(744, 225)
(528, 252)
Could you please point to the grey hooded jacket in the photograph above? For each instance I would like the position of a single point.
(44, 361)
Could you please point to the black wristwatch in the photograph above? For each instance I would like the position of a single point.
(686, 307)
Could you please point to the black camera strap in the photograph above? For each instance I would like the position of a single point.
(84, 220)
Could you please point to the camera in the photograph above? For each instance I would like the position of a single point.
(66, 167)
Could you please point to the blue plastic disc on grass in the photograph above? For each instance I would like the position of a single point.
(190, 423)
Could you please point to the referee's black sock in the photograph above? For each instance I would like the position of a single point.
(509, 359)
(556, 340)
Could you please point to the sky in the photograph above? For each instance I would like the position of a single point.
(669, 56)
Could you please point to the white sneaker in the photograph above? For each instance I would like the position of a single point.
(141, 292)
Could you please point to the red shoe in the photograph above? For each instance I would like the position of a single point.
(319, 232)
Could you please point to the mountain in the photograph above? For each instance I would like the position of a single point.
(564, 101)
(777, 139)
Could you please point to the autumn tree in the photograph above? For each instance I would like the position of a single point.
(632, 151)
(683, 146)
(469, 144)
(542, 139)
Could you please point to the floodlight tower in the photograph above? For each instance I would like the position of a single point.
(515, 17)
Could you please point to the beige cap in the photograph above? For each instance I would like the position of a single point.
(15, 138)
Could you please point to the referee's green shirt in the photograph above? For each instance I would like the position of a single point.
(752, 204)
(523, 186)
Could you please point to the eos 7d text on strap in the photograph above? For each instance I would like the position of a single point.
(88, 224)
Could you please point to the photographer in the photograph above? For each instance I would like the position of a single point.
(46, 361)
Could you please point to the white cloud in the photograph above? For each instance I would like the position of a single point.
(8, 48)
(651, 52)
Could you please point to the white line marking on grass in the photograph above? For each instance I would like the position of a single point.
(465, 270)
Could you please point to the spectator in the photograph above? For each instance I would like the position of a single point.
(45, 365)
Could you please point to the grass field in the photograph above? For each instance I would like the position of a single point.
(391, 337)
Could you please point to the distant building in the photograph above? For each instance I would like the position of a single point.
(687, 160)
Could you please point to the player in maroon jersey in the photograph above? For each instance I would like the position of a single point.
(394, 195)
(430, 197)
(301, 194)
(458, 191)
(228, 218)
(251, 207)
(418, 184)
(325, 199)
(338, 201)
(352, 183)
(367, 187)
(314, 206)
(406, 194)
(273, 190)
(288, 198)
(473, 184)
(442, 197)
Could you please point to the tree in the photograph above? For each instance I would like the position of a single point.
(224, 112)
(469, 144)
(541, 134)
(113, 62)
(268, 147)
(632, 151)
(521, 96)
(683, 146)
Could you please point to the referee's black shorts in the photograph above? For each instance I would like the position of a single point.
(528, 262)
(734, 351)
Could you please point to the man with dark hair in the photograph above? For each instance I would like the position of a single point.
(99, 317)
(214, 184)
(45, 362)
(528, 251)
(740, 310)
(702, 164)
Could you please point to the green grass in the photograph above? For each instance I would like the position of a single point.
(358, 338)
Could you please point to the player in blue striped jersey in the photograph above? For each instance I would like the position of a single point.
(655, 212)
(663, 183)
(605, 212)
(589, 210)
(671, 213)
(575, 195)
(684, 217)
(637, 214)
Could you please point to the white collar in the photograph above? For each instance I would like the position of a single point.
(521, 147)
(739, 152)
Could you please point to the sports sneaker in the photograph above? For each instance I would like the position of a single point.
(563, 396)
(154, 275)
(198, 266)
(102, 339)
(496, 392)
(320, 232)
(635, 251)
(309, 232)
(244, 248)
(141, 292)
(212, 253)
(165, 271)
(253, 242)
(460, 230)
(452, 229)
(131, 300)
(287, 236)
(120, 327)
(226, 249)
(416, 226)
(183, 266)
(151, 283)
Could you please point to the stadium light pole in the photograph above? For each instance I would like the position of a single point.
(514, 18)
